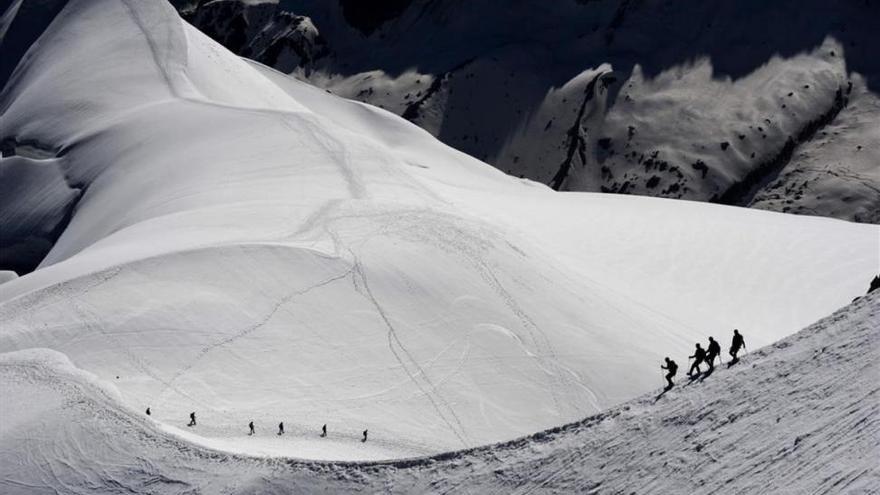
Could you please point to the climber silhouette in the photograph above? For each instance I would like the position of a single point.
(713, 351)
(735, 345)
(148, 411)
(698, 357)
(670, 368)
(324, 431)
(192, 419)
(281, 428)
(251, 426)
(365, 436)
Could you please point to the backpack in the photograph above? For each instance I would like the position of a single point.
(737, 341)
(672, 367)
(714, 348)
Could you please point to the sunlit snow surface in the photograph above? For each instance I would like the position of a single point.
(251, 248)
(802, 416)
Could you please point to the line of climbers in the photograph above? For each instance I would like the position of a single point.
(700, 356)
(707, 356)
(192, 422)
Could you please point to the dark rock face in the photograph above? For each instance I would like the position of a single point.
(31, 19)
(701, 167)
(576, 139)
(367, 16)
(743, 191)
(263, 32)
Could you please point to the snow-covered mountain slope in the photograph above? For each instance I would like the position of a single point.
(238, 243)
(764, 104)
(801, 416)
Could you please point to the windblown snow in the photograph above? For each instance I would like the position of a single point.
(221, 238)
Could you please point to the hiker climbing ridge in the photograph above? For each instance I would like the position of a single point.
(671, 369)
(712, 351)
(698, 357)
(735, 345)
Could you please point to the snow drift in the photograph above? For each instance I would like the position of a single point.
(249, 247)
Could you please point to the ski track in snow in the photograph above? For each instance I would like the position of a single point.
(429, 389)
(92, 322)
(802, 415)
(354, 184)
(169, 384)
(455, 239)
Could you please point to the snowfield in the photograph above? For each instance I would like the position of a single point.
(801, 416)
(218, 237)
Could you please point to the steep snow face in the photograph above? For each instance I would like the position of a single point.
(841, 160)
(802, 416)
(731, 102)
(32, 217)
(252, 248)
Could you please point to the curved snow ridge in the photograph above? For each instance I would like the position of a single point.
(802, 415)
(97, 263)
(170, 324)
(167, 42)
(18, 299)
(196, 69)
(140, 53)
(459, 306)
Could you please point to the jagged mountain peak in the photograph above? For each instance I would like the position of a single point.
(722, 104)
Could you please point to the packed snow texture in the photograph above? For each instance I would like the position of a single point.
(801, 416)
(751, 103)
(249, 247)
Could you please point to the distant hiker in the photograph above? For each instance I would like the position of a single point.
(192, 419)
(324, 431)
(713, 351)
(698, 357)
(365, 436)
(736, 344)
(251, 426)
(670, 368)
(281, 428)
(148, 411)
